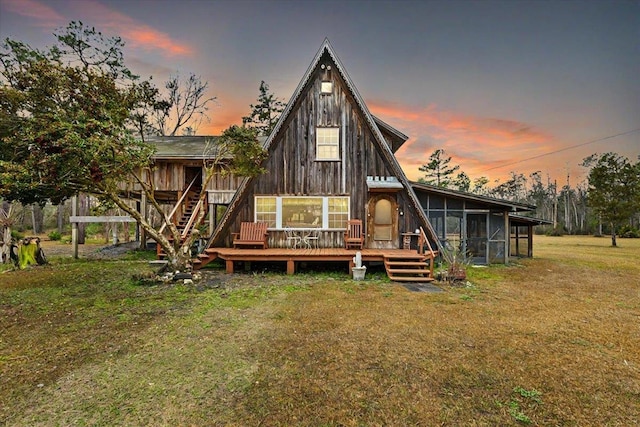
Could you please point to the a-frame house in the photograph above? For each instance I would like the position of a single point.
(329, 161)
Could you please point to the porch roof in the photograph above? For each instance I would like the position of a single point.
(489, 201)
(185, 147)
(525, 220)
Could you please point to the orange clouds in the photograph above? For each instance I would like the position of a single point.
(151, 39)
(476, 143)
(44, 15)
(136, 34)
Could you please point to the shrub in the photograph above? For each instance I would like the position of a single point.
(629, 231)
(16, 235)
(558, 231)
(55, 235)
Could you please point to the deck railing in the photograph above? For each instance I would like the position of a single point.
(192, 219)
(422, 242)
(175, 208)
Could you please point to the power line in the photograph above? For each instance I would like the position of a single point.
(564, 149)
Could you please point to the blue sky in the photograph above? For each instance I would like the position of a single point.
(491, 82)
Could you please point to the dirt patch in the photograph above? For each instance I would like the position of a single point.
(87, 250)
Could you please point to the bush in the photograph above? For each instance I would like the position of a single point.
(16, 235)
(558, 231)
(55, 235)
(629, 232)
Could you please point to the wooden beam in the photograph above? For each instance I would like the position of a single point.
(103, 218)
(507, 236)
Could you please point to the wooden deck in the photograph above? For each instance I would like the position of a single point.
(293, 256)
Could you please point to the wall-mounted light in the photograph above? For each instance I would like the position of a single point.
(326, 86)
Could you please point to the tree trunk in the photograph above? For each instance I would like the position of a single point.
(613, 235)
(61, 218)
(5, 232)
(37, 218)
(83, 209)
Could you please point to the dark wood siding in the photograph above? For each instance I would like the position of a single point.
(292, 166)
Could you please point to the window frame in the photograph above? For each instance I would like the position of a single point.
(326, 87)
(326, 218)
(323, 143)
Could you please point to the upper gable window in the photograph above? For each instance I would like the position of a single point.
(326, 87)
(327, 144)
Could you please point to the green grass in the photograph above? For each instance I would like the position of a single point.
(547, 341)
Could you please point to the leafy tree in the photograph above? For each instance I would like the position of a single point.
(614, 189)
(64, 129)
(513, 189)
(184, 103)
(462, 182)
(438, 172)
(480, 185)
(265, 114)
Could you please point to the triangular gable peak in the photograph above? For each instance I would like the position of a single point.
(328, 152)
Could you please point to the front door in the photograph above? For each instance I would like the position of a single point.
(382, 222)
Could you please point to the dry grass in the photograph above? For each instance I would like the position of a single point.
(549, 341)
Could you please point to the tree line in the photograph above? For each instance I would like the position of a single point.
(606, 202)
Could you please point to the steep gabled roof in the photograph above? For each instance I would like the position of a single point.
(372, 123)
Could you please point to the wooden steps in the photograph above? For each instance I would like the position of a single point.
(204, 258)
(404, 268)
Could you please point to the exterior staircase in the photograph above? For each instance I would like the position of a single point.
(409, 268)
(186, 220)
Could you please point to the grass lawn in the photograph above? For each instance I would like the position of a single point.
(553, 340)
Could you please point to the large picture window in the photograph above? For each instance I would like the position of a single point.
(327, 144)
(321, 212)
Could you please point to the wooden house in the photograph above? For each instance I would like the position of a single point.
(329, 161)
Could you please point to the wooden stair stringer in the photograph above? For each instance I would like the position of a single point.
(204, 258)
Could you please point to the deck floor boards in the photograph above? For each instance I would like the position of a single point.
(291, 256)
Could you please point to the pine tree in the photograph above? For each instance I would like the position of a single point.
(265, 114)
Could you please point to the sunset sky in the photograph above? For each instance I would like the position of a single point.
(490, 82)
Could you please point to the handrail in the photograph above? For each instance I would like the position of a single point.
(175, 208)
(195, 213)
(422, 239)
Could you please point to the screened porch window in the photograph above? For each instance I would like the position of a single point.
(327, 144)
(322, 212)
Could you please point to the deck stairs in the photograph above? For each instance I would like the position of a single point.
(204, 258)
(409, 268)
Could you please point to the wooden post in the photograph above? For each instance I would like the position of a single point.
(74, 226)
(507, 237)
(517, 240)
(213, 211)
(143, 212)
(530, 241)
(142, 208)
